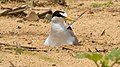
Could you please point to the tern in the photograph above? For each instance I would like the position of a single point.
(60, 34)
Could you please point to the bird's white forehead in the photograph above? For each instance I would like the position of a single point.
(64, 14)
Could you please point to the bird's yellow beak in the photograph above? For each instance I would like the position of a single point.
(68, 18)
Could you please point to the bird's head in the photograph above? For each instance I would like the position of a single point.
(60, 16)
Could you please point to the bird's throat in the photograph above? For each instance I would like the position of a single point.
(55, 27)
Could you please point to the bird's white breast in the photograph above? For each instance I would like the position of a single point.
(55, 27)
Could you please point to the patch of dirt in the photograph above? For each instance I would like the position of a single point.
(97, 31)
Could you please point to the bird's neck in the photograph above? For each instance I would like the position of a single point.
(57, 24)
(57, 27)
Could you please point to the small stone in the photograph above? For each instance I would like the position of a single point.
(45, 50)
(20, 21)
(31, 24)
(93, 41)
(19, 27)
(90, 12)
(90, 33)
(53, 64)
(30, 42)
(81, 4)
(114, 14)
(45, 26)
(32, 16)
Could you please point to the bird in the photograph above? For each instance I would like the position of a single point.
(60, 34)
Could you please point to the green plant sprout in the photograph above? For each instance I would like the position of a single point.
(104, 60)
(107, 4)
(19, 50)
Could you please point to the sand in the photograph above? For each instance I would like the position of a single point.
(97, 29)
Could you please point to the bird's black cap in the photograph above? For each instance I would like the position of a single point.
(57, 13)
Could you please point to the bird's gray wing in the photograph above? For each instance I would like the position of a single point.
(75, 42)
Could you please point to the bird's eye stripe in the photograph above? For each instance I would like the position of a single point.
(64, 14)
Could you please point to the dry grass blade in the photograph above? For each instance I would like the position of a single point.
(80, 16)
(29, 48)
(12, 64)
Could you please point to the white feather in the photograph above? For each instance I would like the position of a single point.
(64, 14)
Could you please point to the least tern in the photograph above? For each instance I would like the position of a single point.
(60, 34)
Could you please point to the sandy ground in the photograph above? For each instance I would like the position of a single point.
(98, 28)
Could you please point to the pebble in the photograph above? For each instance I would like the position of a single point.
(53, 64)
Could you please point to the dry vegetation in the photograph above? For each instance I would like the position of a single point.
(97, 31)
